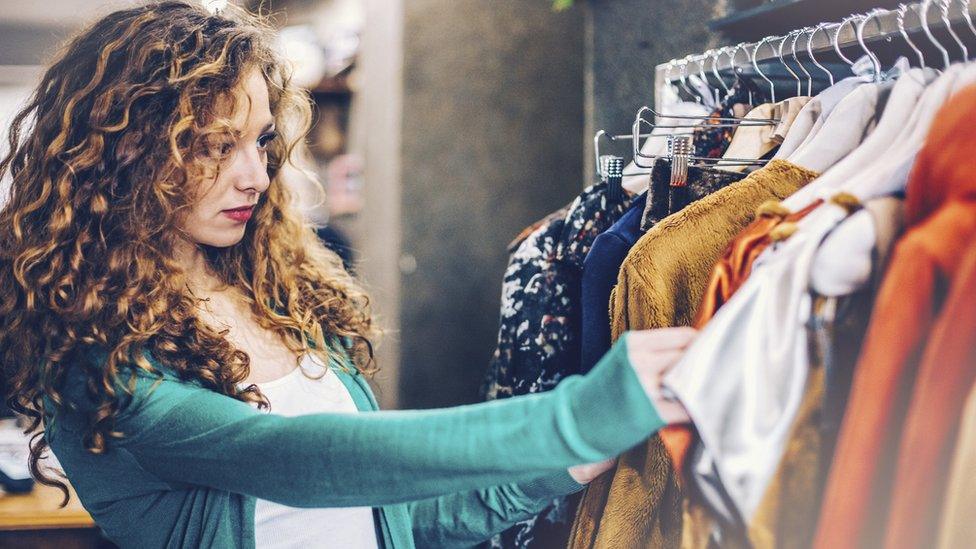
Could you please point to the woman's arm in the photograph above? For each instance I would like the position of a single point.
(186, 434)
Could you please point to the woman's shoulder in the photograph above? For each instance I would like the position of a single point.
(133, 384)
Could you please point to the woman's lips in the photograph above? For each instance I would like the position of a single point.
(240, 215)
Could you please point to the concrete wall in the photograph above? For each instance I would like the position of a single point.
(492, 134)
(625, 40)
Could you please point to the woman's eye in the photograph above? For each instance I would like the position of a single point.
(266, 140)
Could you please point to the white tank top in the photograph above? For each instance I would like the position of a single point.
(278, 526)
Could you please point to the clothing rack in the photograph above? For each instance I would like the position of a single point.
(881, 34)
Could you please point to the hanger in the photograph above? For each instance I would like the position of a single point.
(779, 53)
(836, 39)
(796, 36)
(859, 32)
(923, 9)
(755, 65)
(952, 32)
(600, 135)
(843, 131)
(716, 54)
(694, 160)
(900, 18)
(964, 4)
(701, 74)
(813, 58)
(737, 69)
(683, 76)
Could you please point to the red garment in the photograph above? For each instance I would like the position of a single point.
(923, 324)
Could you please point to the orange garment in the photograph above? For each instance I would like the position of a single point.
(873, 493)
(731, 272)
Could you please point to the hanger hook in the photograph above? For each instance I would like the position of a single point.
(836, 39)
(716, 54)
(701, 74)
(900, 18)
(952, 32)
(964, 4)
(813, 58)
(860, 40)
(737, 69)
(796, 36)
(923, 14)
(779, 53)
(683, 65)
(755, 65)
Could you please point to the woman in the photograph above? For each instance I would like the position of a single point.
(156, 291)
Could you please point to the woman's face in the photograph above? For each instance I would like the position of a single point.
(220, 214)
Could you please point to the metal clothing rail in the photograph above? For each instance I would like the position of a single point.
(951, 18)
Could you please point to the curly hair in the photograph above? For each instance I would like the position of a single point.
(102, 162)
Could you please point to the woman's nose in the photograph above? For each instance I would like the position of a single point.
(253, 174)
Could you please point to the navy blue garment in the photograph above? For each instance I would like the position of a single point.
(600, 270)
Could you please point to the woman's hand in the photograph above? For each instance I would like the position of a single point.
(584, 474)
(653, 353)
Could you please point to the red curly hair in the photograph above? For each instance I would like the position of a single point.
(102, 161)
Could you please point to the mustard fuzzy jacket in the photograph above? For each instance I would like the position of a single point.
(660, 284)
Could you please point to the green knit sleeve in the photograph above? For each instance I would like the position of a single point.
(184, 433)
(468, 518)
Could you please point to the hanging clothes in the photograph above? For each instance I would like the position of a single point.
(599, 276)
(660, 284)
(742, 380)
(786, 516)
(958, 529)
(539, 334)
(911, 329)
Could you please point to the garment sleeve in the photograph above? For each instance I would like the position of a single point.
(468, 518)
(187, 434)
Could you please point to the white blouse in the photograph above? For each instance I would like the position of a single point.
(278, 526)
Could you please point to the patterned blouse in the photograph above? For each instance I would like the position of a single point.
(539, 334)
(710, 141)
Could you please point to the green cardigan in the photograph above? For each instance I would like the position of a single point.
(192, 461)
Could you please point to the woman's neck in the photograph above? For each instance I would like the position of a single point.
(199, 278)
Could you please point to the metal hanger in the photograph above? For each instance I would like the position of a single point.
(836, 40)
(964, 4)
(859, 32)
(952, 32)
(755, 65)
(600, 135)
(923, 13)
(737, 69)
(701, 74)
(779, 53)
(900, 18)
(715, 57)
(728, 122)
(813, 57)
(796, 36)
(684, 79)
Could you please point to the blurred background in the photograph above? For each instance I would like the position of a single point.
(443, 128)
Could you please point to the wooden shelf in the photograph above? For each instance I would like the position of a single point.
(39, 510)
